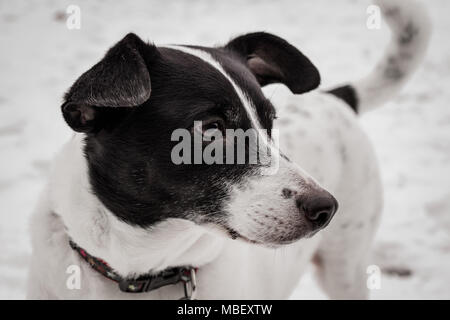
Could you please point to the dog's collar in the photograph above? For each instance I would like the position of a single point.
(146, 282)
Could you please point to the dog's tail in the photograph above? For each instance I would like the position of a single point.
(410, 33)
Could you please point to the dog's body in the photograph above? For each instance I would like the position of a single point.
(319, 132)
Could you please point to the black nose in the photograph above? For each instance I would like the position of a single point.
(318, 208)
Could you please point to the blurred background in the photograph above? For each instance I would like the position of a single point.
(40, 58)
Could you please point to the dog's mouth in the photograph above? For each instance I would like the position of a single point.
(230, 233)
(236, 235)
(233, 234)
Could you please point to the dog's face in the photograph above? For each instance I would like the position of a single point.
(132, 101)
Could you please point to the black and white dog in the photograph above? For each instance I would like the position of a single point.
(121, 210)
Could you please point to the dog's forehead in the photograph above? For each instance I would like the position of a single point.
(223, 69)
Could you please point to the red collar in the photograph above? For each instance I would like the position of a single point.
(146, 282)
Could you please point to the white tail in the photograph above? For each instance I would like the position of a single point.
(410, 34)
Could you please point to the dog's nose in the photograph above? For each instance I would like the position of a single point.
(318, 208)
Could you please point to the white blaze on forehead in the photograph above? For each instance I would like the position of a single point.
(205, 56)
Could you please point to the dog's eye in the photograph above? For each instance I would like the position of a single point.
(213, 128)
(210, 128)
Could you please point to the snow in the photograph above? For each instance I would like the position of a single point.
(40, 58)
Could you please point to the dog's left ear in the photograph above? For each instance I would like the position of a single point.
(273, 60)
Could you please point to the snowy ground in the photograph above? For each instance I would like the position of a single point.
(40, 58)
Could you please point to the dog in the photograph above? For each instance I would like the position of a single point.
(128, 222)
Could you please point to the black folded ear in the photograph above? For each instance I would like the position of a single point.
(120, 79)
(274, 60)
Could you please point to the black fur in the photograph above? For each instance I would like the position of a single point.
(128, 143)
(348, 94)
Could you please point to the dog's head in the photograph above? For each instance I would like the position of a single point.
(131, 103)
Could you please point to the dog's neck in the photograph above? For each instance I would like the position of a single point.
(130, 250)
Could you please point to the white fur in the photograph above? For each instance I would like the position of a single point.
(319, 133)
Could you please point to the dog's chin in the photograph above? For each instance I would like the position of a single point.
(273, 242)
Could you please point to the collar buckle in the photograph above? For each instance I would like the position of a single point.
(190, 284)
(134, 286)
(164, 278)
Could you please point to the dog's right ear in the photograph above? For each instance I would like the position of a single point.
(120, 80)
